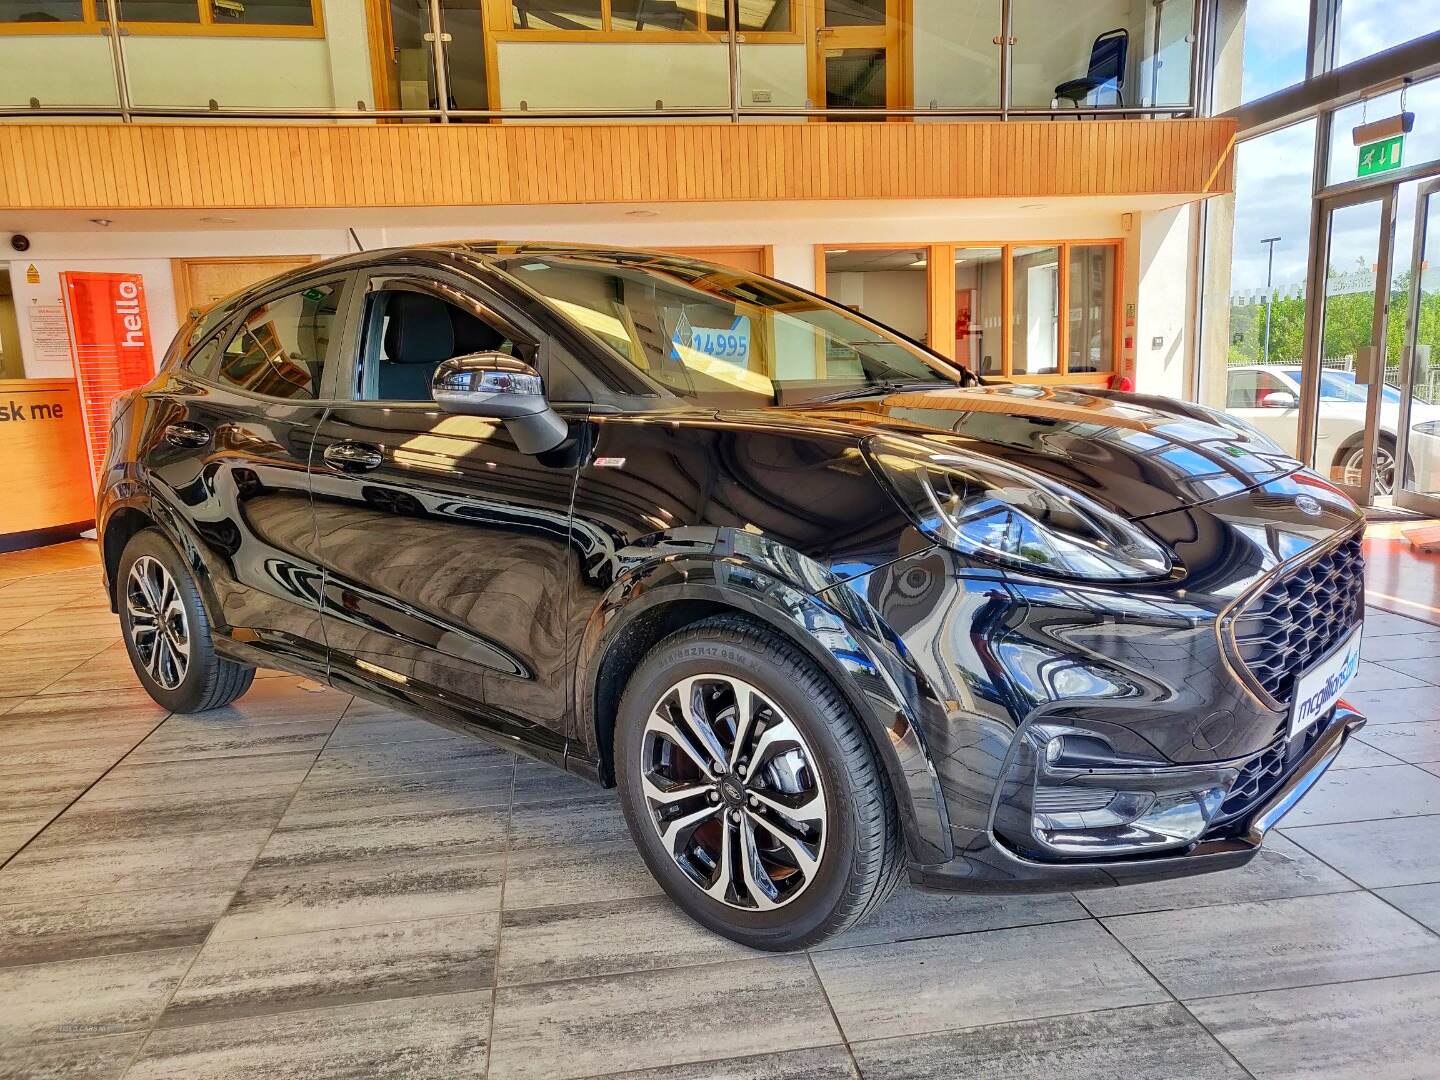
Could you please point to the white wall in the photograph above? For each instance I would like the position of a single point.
(1163, 302)
(165, 69)
(898, 298)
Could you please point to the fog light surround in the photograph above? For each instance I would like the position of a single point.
(1087, 800)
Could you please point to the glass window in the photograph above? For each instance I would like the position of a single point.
(557, 15)
(651, 15)
(1370, 26)
(1035, 313)
(164, 11)
(41, 11)
(753, 16)
(980, 308)
(1090, 306)
(1272, 38)
(408, 334)
(1247, 388)
(280, 349)
(891, 285)
(262, 12)
(724, 340)
(1421, 144)
(854, 12)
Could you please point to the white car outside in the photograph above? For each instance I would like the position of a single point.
(1268, 396)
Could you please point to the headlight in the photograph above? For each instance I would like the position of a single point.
(1006, 515)
(1428, 427)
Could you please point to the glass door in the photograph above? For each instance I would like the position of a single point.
(1342, 393)
(1418, 426)
(857, 54)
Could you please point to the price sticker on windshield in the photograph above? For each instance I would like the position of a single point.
(730, 343)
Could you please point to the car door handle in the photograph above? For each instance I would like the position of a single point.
(353, 457)
(185, 433)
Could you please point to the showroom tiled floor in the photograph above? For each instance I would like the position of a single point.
(307, 886)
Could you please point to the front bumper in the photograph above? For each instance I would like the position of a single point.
(1230, 846)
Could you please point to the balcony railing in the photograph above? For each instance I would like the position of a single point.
(476, 60)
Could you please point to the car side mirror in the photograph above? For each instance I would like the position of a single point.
(497, 385)
(1279, 399)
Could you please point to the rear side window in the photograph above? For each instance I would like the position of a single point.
(280, 349)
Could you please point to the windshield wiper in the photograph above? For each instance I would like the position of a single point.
(885, 387)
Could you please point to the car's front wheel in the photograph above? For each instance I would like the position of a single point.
(751, 790)
(167, 632)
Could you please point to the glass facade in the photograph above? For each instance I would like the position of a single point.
(475, 59)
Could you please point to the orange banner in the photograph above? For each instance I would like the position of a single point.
(109, 346)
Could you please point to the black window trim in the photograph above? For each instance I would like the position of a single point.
(243, 309)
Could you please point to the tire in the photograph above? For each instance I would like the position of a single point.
(177, 663)
(1350, 458)
(843, 857)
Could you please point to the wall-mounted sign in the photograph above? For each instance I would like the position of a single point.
(32, 275)
(1381, 157)
(109, 346)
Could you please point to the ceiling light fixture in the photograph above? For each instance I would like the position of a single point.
(642, 213)
(101, 221)
(218, 220)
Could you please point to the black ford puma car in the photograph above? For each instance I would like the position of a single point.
(823, 608)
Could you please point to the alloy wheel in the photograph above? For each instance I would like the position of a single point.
(1384, 469)
(733, 792)
(158, 628)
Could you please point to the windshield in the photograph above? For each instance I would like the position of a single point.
(720, 337)
(1341, 386)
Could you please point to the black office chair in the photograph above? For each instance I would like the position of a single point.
(1107, 69)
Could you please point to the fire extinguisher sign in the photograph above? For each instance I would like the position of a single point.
(109, 346)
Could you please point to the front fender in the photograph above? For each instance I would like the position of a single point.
(854, 660)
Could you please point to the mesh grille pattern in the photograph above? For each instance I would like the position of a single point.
(1304, 613)
(1260, 775)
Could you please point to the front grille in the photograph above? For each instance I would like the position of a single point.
(1300, 617)
(1262, 773)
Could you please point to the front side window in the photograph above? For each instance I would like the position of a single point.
(280, 349)
(721, 337)
(1249, 389)
(409, 333)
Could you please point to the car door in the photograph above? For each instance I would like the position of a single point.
(448, 575)
(228, 460)
(1262, 398)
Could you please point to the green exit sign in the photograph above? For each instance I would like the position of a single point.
(1382, 156)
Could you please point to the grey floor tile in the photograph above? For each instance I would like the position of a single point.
(376, 724)
(46, 868)
(1399, 851)
(65, 928)
(1386, 1028)
(1424, 668)
(18, 824)
(986, 978)
(284, 899)
(576, 873)
(251, 977)
(1373, 676)
(107, 995)
(1271, 944)
(1281, 869)
(319, 803)
(1387, 791)
(1154, 1042)
(418, 1038)
(1359, 755)
(1399, 646)
(589, 819)
(287, 698)
(590, 1027)
(211, 735)
(1415, 742)
(103, 1058)
(914, 913)
(1414, 703)
(605, 938)
(245, 776)
(1380, 624)
(105, 819)
(817, 1063)
(386, 834)
(537, 782)
(361, 762)
(1420, 902)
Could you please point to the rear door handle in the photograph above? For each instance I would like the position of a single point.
(353, 457)
(185, 433)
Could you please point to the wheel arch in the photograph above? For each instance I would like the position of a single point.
(657, 599)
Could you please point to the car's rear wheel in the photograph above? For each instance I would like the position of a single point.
(167, 632)
(751, 790)
(1350, 464)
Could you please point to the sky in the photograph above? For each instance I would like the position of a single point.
(1273, 173)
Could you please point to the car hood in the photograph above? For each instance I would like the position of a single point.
(1136, 459)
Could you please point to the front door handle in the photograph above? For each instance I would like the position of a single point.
(186, 433)
(353, 457)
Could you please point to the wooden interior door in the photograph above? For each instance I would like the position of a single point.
(858, 61)
(200, 283)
